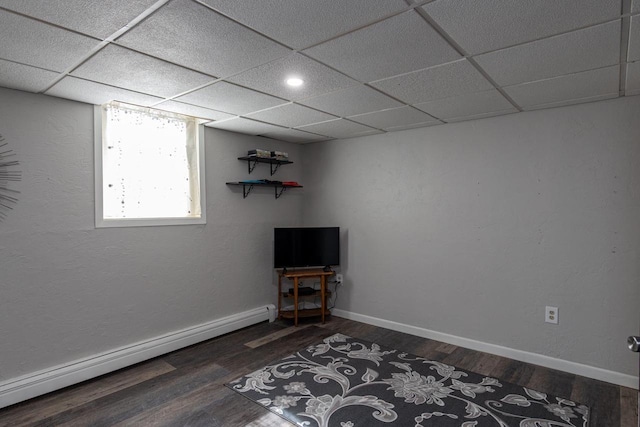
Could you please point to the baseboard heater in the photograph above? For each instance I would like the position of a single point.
(57, 377)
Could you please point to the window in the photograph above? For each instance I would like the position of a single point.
(149, 167)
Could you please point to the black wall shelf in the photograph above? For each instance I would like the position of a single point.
(252, 161)
(278, 188)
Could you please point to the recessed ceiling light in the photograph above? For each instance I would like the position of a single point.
(295, 81)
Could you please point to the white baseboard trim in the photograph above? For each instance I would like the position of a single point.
(37, 383)
(523, 356)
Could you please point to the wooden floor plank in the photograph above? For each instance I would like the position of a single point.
(186, 387)
(603, 400)
(402, 342)
(513, 371)
(446, 348)
(456, 357)
(348, 327)
(236, 410)
(429, 350)
(554, 382)
(226, 344)
(71, 397)
(178, 411)
(485, 364)
(128, 403)
(628, 406)
(274, 336)
(250, 359)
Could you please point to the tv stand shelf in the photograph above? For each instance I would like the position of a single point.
(296, 276)
(315, 294)
(308, 312)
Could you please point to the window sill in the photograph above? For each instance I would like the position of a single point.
(147, 222)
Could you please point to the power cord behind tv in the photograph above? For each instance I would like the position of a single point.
(335, 294)
(337, 284)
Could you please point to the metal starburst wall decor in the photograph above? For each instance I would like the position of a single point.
(9, 175)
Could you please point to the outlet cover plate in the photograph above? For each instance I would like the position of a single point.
(551, 315)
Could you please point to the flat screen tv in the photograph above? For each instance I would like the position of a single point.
(306, 247)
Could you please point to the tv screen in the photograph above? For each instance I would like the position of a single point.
(306, 247)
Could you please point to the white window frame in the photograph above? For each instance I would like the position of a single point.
(101, 222)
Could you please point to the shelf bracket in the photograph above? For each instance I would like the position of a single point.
(278, 194)
(250, 166)
(245, 191)
(274, 169)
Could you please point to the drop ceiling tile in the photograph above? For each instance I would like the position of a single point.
(413, 126)
(635, 6)
(482, 26)
(41, 45)
(97, 93)
(120, 67)
(581, 50)
(192, 35)
(24, 77)
(270, 78)
(634, 39)
(291, 115)
(230, 98)
(564, 88)
(633, 79)
(98, 18)
(193, 110)
(394, 46)
(366, 133)
(302, 23)
(572, 102)
(351, 101)
(340, 128)
(397, 117)
(294, 135)
(242, 125)
(441, 81)
(482, 115)
(468, 104)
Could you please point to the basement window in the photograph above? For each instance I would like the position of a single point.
(149, 167)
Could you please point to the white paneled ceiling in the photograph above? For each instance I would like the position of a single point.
(29, 42)
(580, 50)
(600, 83)
(468, 105)
(487, 25)
(441, 81)
(394, 118)
(94, 18)
(634, 39)
(406, 42)
(368, 66)
(633, 78)
(194, 36)
(291, 115)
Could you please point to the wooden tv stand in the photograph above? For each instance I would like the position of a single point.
(296, 275)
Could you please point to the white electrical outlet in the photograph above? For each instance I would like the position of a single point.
(339, 278)
(551, 315)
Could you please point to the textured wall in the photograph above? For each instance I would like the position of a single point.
(470, 229)
(69, 291)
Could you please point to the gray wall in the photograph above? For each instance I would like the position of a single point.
(470, 229)
(69, 291)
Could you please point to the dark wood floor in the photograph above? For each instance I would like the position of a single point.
(186, 387)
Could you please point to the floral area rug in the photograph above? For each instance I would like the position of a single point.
(348, 382)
